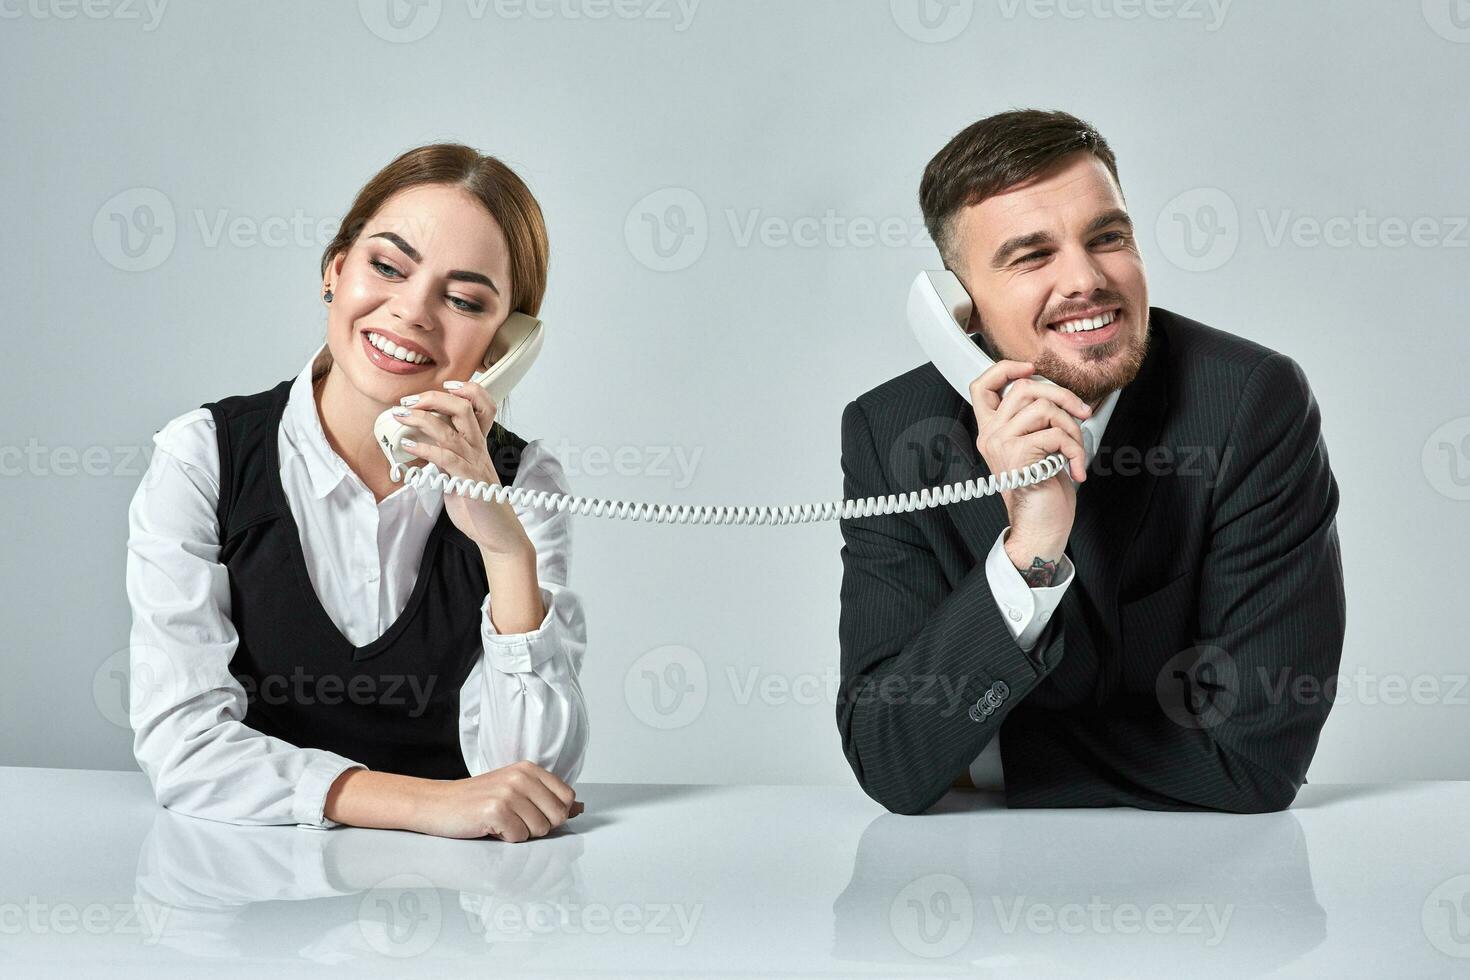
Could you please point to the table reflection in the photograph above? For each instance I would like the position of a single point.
(973, 884)
(211, 889)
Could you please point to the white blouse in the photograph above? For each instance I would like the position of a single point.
(522, 699)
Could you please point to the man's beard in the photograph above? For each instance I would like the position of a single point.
(1093, 379)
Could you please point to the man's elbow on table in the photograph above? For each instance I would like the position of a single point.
(901, 794)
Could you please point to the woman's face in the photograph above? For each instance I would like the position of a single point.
(429, 273)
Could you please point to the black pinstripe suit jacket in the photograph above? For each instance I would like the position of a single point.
(1190, 662)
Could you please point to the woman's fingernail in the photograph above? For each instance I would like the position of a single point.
(454, 385)
(401, 411)
(407, 442)
(409, 400)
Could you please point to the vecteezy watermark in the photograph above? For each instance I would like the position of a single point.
(667, 687)
(1445, 917)
(40, 918)
(140, 680)
(1450, 19)
(1188, 462)
(937, 21)
(932, 21)
(1363, 229)
(147, 12)
(1362, 686)
(935, 915)
(1200, 230)
(932, 916)
(400, 21)
(829, 230)
(304, 689)
(35, 459)
(1201, 687)
(1210, 13)
(134, 230)
(401, 916)
(938, 451)
(1446, 458)
(934, 451)
(669, 229)
(1198, 688)
(564, 916)
(948, 693)
(676, 463)
(1101, 918)
(753, 684)
(406, 21)
(137, 229)
(679, 14)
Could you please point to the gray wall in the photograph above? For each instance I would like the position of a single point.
(793, 136)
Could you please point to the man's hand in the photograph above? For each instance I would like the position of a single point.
(1032, 421)
(515, 803)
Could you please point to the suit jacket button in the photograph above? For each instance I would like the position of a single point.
(1000, 689)
(975, 712)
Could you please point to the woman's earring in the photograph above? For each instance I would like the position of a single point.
(327, 296)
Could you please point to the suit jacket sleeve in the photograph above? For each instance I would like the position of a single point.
(1223, 729)
(920, 658)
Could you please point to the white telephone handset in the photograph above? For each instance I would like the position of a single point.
(938, 312)
(937, 307)
(512, 351)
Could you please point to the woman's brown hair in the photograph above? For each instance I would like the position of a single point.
(503, 194)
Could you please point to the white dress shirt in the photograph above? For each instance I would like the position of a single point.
(522, 699)
(1026, 610)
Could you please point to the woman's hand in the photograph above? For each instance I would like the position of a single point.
(456, 444)
(515, 803)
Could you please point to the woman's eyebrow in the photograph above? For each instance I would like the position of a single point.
(459, 275)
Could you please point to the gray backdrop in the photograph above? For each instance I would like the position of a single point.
(731, 195)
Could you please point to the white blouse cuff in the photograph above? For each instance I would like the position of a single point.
(520, 652)
(311, 792)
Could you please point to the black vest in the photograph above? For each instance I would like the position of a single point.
(392, 705)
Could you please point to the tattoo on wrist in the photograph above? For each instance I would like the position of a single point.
(1041, 574)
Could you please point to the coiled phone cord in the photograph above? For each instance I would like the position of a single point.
(899, 503)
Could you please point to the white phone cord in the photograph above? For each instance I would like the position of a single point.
(901, 503)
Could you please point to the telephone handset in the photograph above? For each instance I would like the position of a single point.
(938, 306)
(938, 312)
(512, 351)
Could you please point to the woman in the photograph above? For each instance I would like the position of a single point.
(315, 644)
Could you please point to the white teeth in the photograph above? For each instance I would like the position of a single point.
(1087, 323)
(393, 350)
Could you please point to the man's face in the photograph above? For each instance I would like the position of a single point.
(1038, 256)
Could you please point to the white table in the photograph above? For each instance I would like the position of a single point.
(1369, 881)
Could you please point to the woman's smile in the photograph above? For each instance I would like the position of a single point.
(390, 357)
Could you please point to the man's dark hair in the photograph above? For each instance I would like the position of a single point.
(998, 152)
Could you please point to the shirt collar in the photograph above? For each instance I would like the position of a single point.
(306, 438)
(1105, 411)
(1101, 414)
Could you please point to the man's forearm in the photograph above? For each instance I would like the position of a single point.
(919, 714)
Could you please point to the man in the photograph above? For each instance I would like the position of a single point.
(1138, 629)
